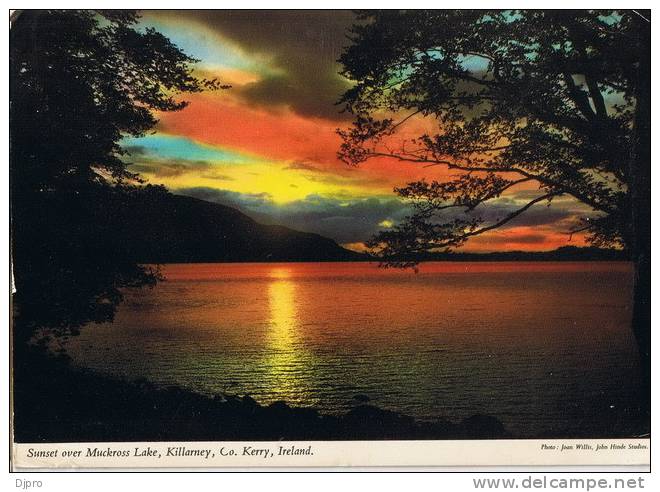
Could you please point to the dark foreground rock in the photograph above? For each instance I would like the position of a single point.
(56, 403)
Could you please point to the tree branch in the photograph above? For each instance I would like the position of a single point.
(509, 169)
(512, 215)
(469, 204)
(579, 97)
(596, 97)
(401, 122)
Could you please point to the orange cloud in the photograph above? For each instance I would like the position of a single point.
(279, 134)
(282, 135)
(524, 238)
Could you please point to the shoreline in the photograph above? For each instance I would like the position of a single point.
(55, 402)
(377, 262)
(89, 407)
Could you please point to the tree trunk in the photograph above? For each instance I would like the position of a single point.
(640, 193)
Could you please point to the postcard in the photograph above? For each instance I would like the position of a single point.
(320, 238)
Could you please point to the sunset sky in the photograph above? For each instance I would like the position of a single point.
(268, 145)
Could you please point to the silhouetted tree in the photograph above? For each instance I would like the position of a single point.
(556, 98)
(79, 82)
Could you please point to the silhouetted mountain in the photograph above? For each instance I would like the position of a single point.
(149, 225)
(181, 229)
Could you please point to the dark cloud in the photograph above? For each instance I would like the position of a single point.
(226, 197)
(136, 150)
(298, 91)
(346, 221)
(303, 44)
(170, 169)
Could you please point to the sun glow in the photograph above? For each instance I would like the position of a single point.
(286, 359)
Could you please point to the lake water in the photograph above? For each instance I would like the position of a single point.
(545, 347)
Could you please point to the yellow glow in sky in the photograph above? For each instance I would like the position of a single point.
(271, 178)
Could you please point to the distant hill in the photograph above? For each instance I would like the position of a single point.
(564, 253)
(181, 229)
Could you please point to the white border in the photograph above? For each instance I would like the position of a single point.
(451, 481)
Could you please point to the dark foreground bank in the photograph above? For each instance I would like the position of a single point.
(54, 402)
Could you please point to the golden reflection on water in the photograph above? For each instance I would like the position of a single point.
(286, 361)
